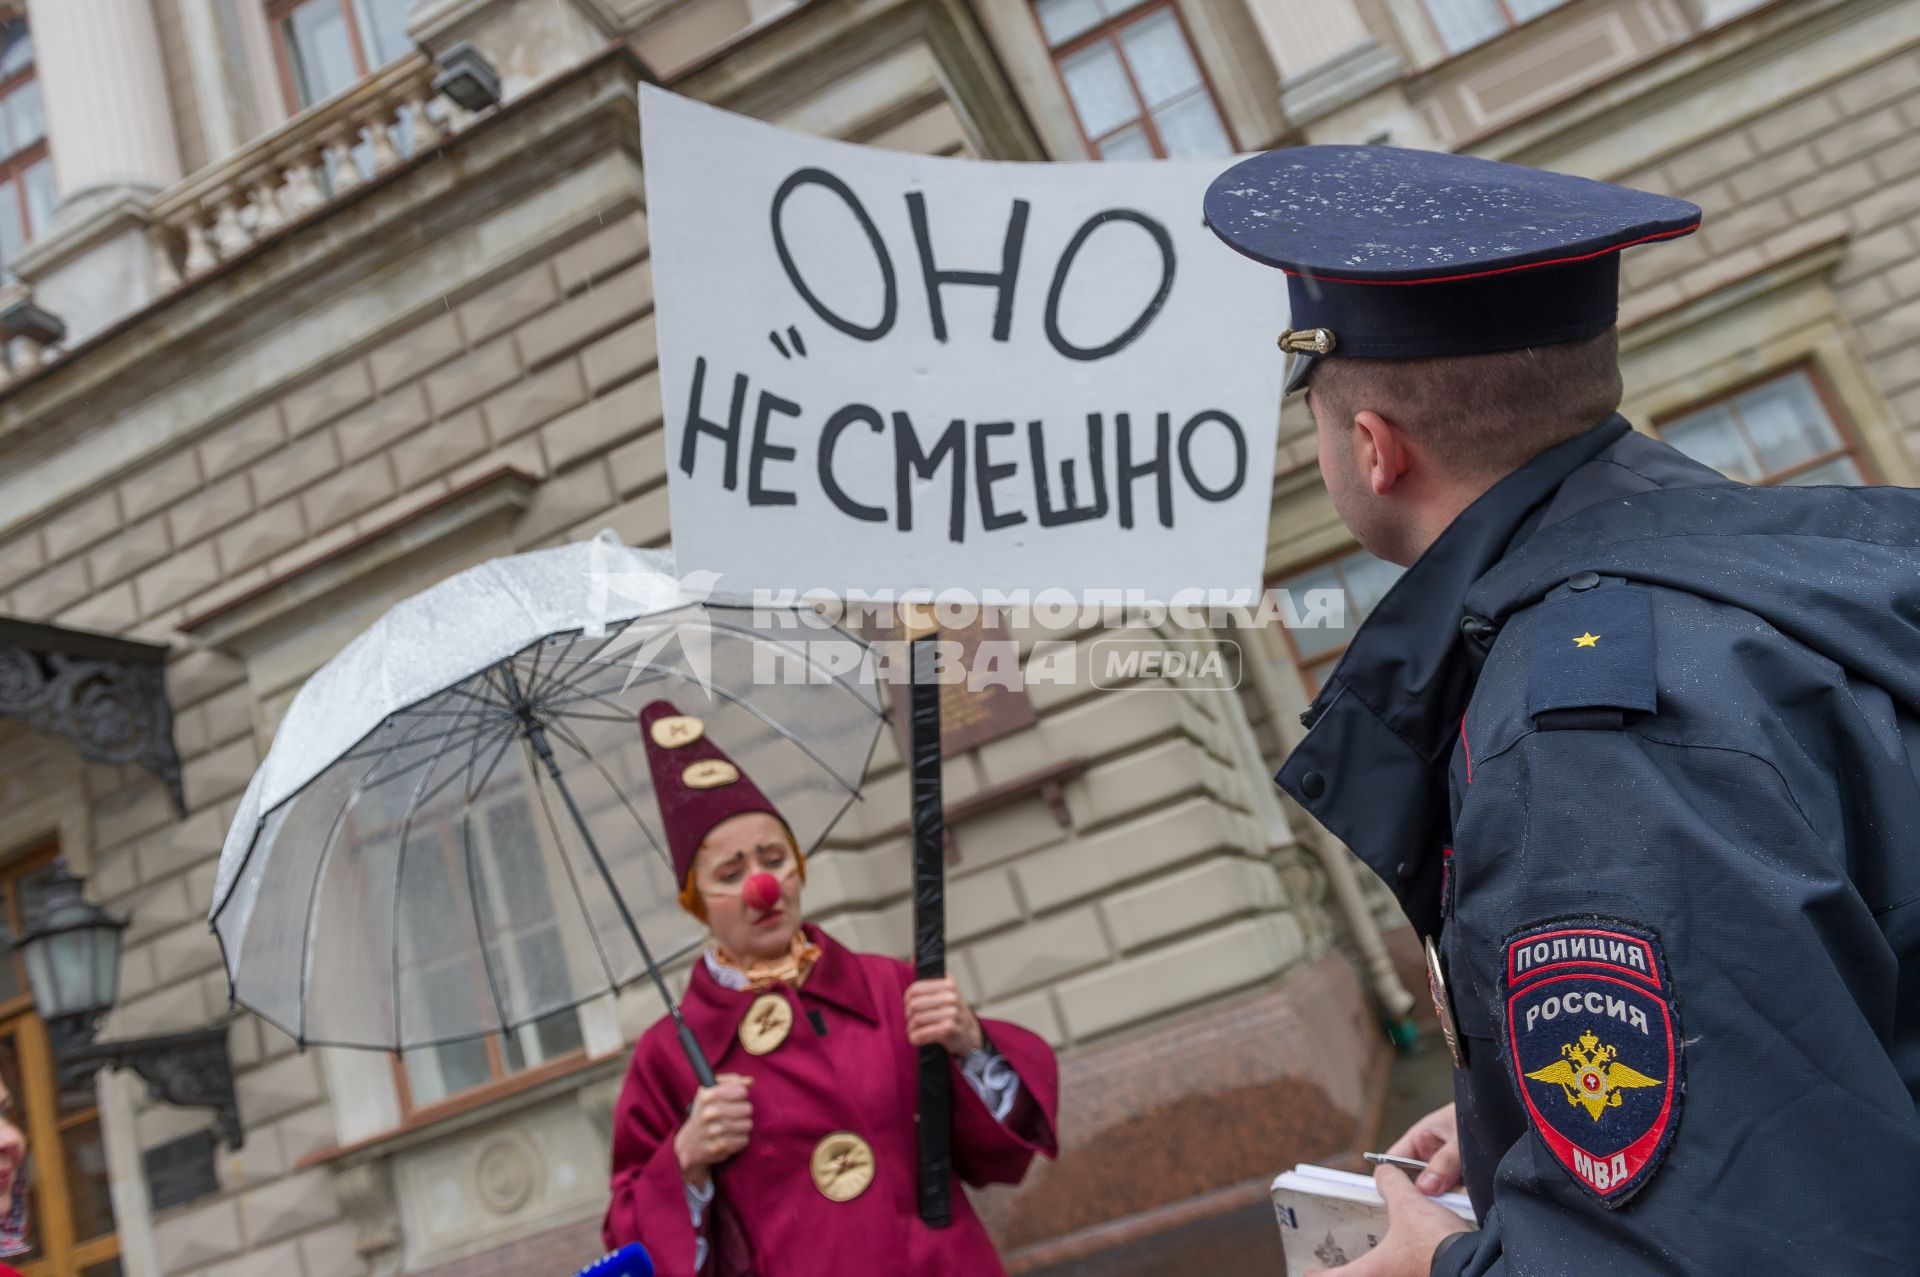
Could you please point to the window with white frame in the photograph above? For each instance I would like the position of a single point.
(26, 170)
(1781, 430)
(1138, 91)
(325, 47)
(1461, 24)
(509, 883)
(1362, 580)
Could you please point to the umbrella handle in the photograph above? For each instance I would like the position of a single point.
(702, 1071)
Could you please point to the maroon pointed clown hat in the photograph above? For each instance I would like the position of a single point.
(694, 782)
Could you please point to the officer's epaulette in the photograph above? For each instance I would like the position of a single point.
(1592, 656)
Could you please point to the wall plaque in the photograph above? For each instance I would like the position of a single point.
(181, 1170)
(970, 716)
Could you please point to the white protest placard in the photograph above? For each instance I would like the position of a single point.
(885, 371)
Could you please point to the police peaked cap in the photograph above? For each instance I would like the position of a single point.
(1392, 253)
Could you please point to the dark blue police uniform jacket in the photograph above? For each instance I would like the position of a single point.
(1641, 746)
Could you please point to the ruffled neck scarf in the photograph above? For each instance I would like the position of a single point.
(790, 967)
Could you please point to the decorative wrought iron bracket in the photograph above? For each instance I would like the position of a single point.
(107, 695)
(191, 1069)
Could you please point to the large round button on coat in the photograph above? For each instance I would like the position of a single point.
(1313, 784)
(1583, 580)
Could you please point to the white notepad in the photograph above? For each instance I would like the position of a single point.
(1328, 1217)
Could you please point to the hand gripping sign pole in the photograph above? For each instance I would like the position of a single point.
(930, 927)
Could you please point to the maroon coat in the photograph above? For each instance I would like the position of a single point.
(860, 1076)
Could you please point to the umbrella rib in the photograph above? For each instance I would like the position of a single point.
(474, 791)
(503, 701)
(533, 669)
(777, 728)
(560, 731)
(399, 876)
(313, 891)
(465, 693)
(454, 775)
(838, 679)
(573, 879)
(536, 683)
(473, 899)
(464, 712)
(578, 716)
(452, 735)
(757, 636)
(573, 639)
(748, 632)
(554, 670)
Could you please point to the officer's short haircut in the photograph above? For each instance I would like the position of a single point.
(1482, 415)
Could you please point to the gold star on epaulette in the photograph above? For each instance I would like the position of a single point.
(1586, 640)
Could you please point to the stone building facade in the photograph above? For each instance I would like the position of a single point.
(329, 336)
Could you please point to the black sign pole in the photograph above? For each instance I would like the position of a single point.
(930, 933)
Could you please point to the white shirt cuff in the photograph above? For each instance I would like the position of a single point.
(992, 1079)
(698, 1199)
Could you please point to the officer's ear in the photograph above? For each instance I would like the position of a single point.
(1381, 451)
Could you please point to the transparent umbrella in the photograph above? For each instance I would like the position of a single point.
(455, 834)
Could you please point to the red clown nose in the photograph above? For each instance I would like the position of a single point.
(762, 891)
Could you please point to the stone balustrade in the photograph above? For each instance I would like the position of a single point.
(281, 178)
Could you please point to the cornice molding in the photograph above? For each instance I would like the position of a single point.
(1340, 81)
(1733, 52)
(242, 623)
(154, 379)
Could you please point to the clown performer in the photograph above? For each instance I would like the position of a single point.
(801, 1159)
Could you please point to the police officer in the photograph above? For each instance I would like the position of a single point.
(1637, 747)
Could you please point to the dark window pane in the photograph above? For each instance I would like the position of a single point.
(436, 1072)
(38, 182)
(26, 118)
(34, 886)
(383, 26)
(1317, 639)
(1786, 422)
(87, 1193)
(16, 47)
(13, 980)
(1061, 20)
(1838, 470)
(320, 49)
(1711, 437)
(543, 1040)
(1097, 83)
(1465, 23)
(1127, 144)
(1156, 49)
(1191, 127)
(13, 231)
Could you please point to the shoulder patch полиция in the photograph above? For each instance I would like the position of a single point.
(1593, 1041)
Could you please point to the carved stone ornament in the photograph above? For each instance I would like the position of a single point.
(190, 1069)
(365, 1192)
(504, 1172)
(106, 695)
